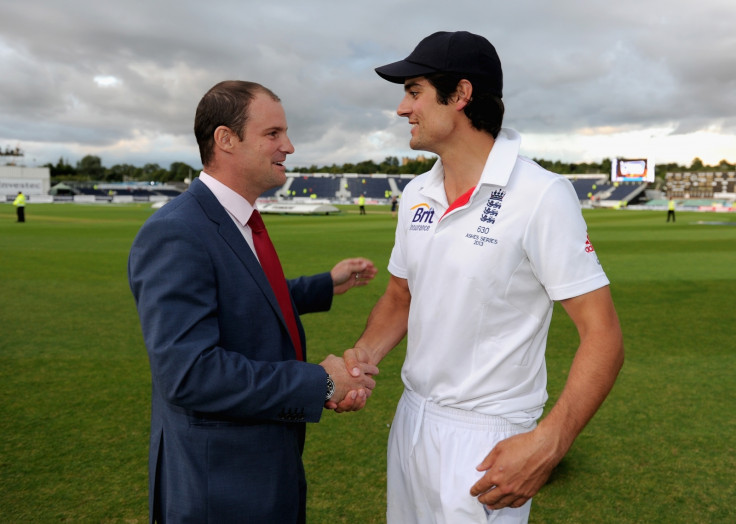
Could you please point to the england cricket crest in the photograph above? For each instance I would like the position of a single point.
(493, 206)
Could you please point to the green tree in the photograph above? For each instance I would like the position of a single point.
(61, 169)
(416, 166)
(179, 171)
(154, 173)
(366, 167)
(122, 172)
(91, 167)
(606, 165)
(390, 165)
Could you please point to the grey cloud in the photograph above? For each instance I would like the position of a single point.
(568, 66)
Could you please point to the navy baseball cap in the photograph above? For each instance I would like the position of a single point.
(460, 53)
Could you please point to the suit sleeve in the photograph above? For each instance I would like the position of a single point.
(312, 294)
(214, 343)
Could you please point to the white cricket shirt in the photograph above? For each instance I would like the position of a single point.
(483, 279)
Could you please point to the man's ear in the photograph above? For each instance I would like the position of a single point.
(463, 94)
(224, 138)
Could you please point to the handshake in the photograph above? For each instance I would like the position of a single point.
(353, 378)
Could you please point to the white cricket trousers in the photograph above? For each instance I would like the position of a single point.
(432, 455)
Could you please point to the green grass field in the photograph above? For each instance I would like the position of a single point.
(75, 385)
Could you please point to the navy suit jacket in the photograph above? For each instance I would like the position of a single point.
(229, 400)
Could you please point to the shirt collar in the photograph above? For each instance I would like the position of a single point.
(502, 159)
(497, 169)
(238, 207)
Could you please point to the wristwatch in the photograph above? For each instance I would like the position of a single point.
(330, 387)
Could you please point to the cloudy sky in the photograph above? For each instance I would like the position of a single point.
(583, 80)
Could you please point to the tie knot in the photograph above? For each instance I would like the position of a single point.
(256, 222)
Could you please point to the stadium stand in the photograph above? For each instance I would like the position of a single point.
(700, 184)
(121, 192)
(322, 186)
(271, 193)
(341, 187)
(691, 189)
(598, 190)
(372, 187)
(401, 182)
(167, 192)
(620, 191)
(587, 186)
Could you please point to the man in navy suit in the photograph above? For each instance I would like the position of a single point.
(230, 397)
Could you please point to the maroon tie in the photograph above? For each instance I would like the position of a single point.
(275, 274)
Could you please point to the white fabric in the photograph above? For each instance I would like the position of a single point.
(430, 475)
(236, 206)
(483, 279)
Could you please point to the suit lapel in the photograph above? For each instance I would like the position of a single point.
(234, 239)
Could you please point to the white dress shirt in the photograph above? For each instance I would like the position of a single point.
(236, 206)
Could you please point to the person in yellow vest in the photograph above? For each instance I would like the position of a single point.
(20, 206)
(361, 203)
(671, 210)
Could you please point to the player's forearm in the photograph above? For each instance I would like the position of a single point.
(387, 323)
(592, 375)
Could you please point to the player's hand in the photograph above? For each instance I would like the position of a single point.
(515, 470)
(350, 273)
(356, 363)
(354, 359)
(348, 388)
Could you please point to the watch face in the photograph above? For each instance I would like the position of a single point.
(330, 388)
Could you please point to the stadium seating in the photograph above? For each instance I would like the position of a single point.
(592, 189)
(587, 186)
(621, 191)
(323, 187)
(342, 187)
(401, 182)
(700, 184)
(373, 188)
(167, 192)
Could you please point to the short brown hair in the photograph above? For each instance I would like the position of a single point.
(485, 109)
(225, 104)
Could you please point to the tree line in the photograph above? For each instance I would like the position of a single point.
(90, 168)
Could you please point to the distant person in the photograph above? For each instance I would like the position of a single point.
(486, 241)
(394, 204)
(20, 206)
(361, 204)
(232, 389)
(671, 210)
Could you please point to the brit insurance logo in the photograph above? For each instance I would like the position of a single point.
(493, 206)
(423, 217)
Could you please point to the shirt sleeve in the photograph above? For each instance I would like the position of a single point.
(397, 262)
(558, 247)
